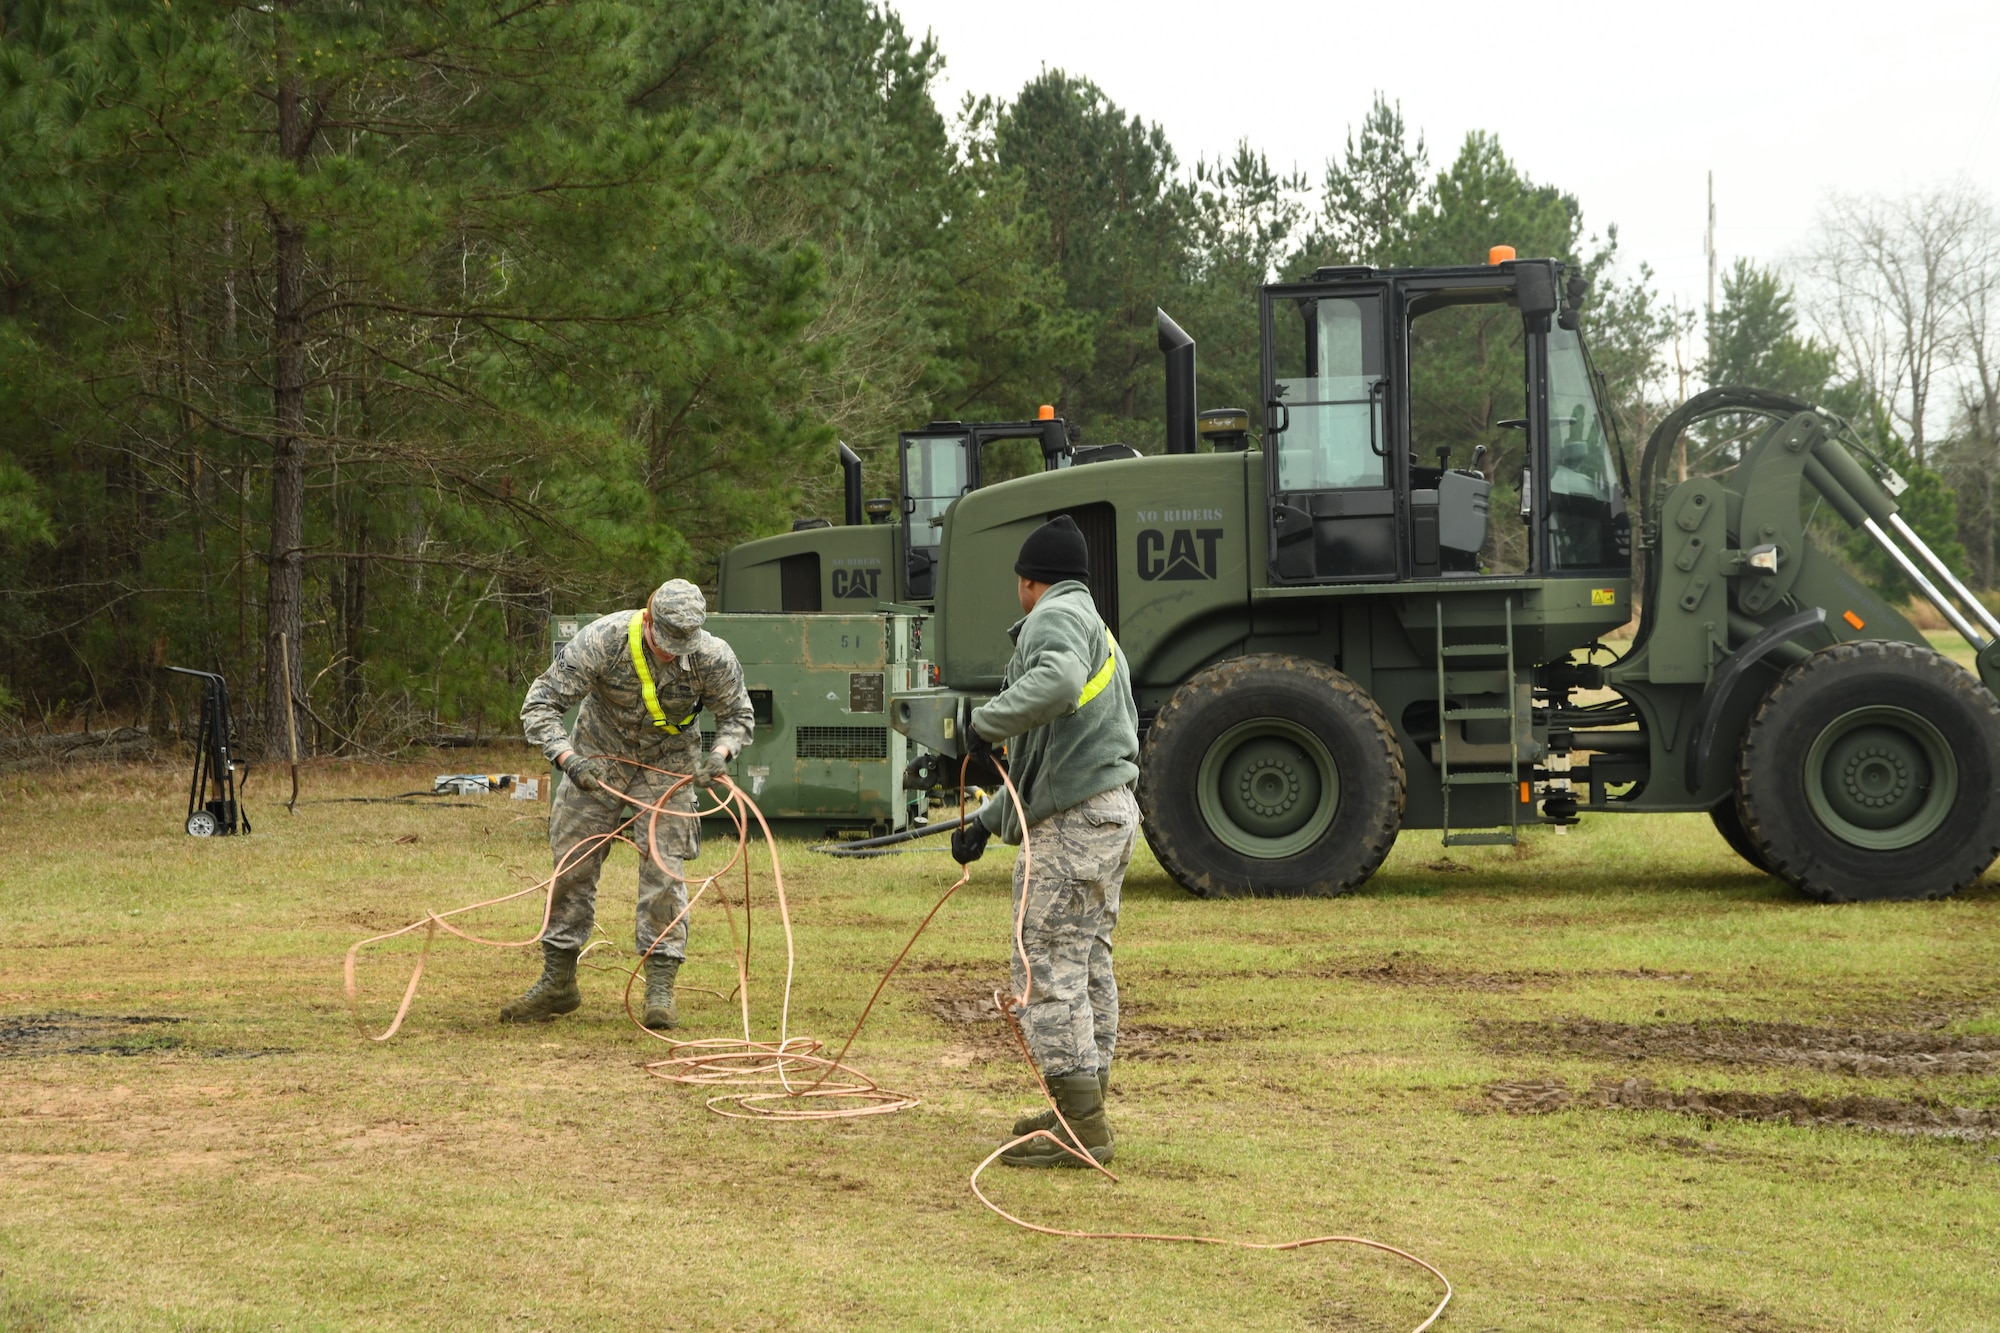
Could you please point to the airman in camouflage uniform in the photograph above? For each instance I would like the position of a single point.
(642, 678)
(1066, 702)
(1071, 1018)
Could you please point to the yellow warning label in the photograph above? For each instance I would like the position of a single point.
(1603, 597)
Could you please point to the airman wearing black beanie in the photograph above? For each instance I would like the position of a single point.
(1053, 552)
(1066, 711)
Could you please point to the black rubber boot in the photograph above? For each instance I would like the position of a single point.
(660, 1012)
(1082, 1103)
(1046, 1119)
(555, 993)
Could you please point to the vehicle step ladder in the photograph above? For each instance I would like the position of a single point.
(1490, 655)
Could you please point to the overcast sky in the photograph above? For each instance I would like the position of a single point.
(1628, 107)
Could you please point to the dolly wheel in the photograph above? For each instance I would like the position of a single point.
(1270, 776)
(1868, 773)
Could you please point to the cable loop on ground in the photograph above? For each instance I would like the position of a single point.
(790, 1079)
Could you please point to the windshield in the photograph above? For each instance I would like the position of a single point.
(1328, 373)
(1584, 500)
(935, 472)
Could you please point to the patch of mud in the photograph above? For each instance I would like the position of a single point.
(1399, 971)
(947, 966)
(1737, 1319)
(966, 1005)
(1146, 1041)
(1889, 1115)
(27, 1036)
(34, 1036)
(963, 1006)
(1875, 1053)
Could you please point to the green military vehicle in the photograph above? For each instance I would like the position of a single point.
(818, 567)
(828, 622)
(1372, 622)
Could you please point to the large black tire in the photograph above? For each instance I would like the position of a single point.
(1868, 773)
(1728, 821)
(1270, 777)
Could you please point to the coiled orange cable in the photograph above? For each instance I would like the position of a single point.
(768, 1080)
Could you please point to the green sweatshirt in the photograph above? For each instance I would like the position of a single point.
(1065, 753)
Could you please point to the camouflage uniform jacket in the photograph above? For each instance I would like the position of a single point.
(596, 668)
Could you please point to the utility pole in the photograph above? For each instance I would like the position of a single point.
(1708, 329)
(1708, 248)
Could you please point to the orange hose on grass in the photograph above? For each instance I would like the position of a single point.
(768, 1080)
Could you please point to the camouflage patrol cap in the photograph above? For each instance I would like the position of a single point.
(678, 612)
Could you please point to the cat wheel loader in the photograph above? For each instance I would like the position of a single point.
(1391, 610)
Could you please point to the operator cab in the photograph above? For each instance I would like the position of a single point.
(1412, 416)
(948, 459)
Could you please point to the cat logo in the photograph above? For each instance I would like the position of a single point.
(858, 583)
(1176, 557)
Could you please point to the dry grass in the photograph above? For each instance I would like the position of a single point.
(1294, 1067)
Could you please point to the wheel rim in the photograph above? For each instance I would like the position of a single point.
(1881, 778)
(1268, 788)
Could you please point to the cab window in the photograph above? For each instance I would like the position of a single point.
(1328, 381)
(1468, 388)
(1584, 500)
(938, 473)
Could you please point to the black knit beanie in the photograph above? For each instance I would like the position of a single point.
(1054, 552)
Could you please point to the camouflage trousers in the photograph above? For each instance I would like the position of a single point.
(1080, 855)
(576, 817)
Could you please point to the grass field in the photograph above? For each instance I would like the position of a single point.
(1460, 1060)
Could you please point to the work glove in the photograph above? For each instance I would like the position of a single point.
(968, 841)
(588, 774)
(711, 766)
(971, 743)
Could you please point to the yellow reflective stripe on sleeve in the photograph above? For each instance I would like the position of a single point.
(1095, 685)
(646, 687)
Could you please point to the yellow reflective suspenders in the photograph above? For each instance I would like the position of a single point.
(1095, 685)
(646, 687)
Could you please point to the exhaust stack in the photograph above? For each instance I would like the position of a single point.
(850, 467)
(1179, 351)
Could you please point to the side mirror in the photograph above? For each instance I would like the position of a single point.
(1535, 289)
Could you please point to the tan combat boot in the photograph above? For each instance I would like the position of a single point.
(1046, 1119)
(1081, 1101)
(660, 1013)
(555, 993)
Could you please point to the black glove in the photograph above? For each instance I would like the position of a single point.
(971, 743)
(588, 774)
(979, 749)
(968, 841)
(710, 767)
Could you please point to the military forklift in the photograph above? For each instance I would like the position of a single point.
(1390, 611)
(829, 620)
(818, 567)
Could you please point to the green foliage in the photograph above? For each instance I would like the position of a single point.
(1753, 338)
(1927, 505)
(1370, 194)
(1116, 213)
(581, 286)
(574, 296)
